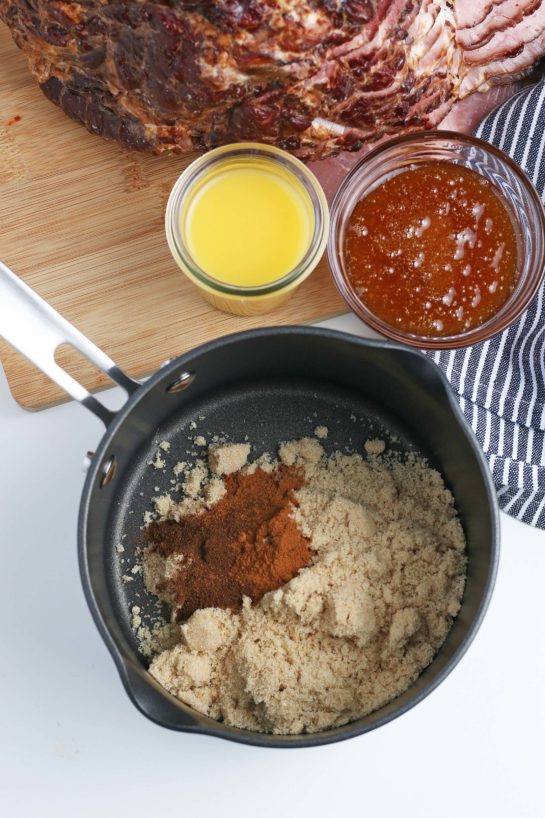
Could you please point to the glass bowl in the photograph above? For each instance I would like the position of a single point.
(513, 186)
(242, 300)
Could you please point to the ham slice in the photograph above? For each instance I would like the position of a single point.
(499, 18)
(470, 13)
(510, 40)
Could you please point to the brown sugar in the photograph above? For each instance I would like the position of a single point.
(246, 544)
(352, 629)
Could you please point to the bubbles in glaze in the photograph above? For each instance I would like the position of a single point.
(432, 250)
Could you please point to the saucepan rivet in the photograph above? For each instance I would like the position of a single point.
(87, 461)
(108, 471)
(181, 382)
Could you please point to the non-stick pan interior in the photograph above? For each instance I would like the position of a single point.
(264, 413)
(268, 386)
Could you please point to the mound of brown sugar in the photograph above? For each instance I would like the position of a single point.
(348, 632)
(245, 544)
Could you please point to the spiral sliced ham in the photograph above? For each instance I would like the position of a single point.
(315, 77)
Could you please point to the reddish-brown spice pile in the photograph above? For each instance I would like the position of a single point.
(245, 545)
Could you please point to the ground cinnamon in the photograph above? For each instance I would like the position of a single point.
(246, 544)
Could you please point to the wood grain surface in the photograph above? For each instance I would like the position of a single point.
(81, 221)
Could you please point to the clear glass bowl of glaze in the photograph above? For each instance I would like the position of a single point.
(514, 188)
(233, 298)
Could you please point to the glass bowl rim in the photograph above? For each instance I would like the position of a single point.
(190, 175)
(517, 301)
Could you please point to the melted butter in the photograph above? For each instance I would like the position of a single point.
(248, 225)
(432, 250)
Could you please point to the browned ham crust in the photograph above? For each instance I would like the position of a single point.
(312, 76)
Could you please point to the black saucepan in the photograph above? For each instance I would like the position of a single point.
(267, 385)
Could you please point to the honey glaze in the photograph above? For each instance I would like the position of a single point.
(432, 250)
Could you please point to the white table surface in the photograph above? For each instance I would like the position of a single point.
(72, 744)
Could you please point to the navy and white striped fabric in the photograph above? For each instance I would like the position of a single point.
(501, 382)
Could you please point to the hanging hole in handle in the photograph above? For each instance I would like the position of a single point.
(108, 471)
(78, 366)
(182, 382)
(71, 360)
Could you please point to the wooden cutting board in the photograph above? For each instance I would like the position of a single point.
(81, 221)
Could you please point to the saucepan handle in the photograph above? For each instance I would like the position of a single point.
(35, 329)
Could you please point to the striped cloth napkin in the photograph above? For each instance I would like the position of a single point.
(501, 382)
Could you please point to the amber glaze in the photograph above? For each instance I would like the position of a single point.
(432, 250)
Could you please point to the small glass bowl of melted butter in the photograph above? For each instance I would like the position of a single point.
(437, 240)
(247, 224)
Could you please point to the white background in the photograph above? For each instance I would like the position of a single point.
(71, 743)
